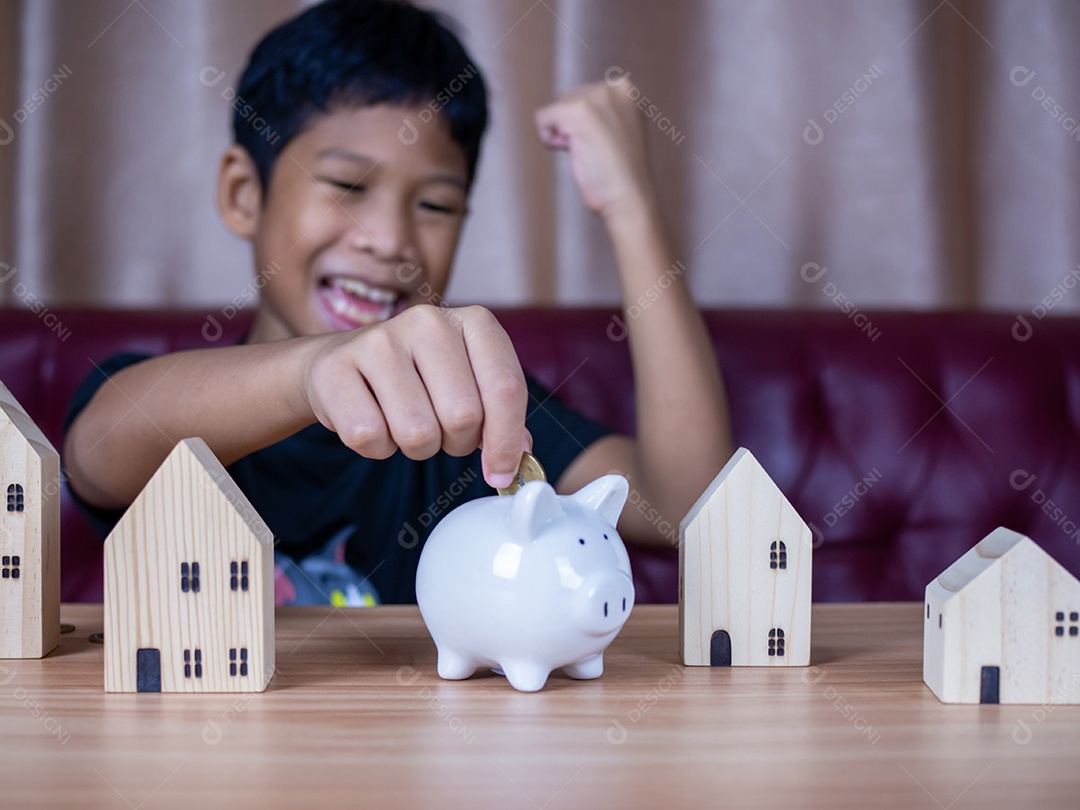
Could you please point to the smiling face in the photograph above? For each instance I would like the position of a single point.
(356, 224)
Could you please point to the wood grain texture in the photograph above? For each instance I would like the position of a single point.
(727, 581)
(30, 602)
(190, 512)
(356, 715)
(1008, 605)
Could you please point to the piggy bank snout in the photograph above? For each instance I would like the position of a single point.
(603, 602)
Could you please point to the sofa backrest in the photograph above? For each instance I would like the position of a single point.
(901, 438)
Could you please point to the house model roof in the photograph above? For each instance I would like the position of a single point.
(742, 462)
(16, 415)
(983, 556)
(189, 468)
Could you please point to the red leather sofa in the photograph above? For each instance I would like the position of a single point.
(902, 438)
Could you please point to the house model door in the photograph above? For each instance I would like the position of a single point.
(148, 670)
(989, 685)
(720, 649)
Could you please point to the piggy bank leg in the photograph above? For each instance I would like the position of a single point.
(454, 667)
(591, 667)
(525, 677)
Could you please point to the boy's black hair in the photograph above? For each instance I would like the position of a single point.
(356, 53)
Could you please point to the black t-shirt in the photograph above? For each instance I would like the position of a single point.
(311, 487)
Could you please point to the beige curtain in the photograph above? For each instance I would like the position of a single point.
(898, 153)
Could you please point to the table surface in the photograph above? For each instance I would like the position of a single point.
(357, 717)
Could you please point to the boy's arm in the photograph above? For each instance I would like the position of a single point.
(683, 434)
(427, 379)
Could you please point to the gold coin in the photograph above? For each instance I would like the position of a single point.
(67, 628)
(528, 470)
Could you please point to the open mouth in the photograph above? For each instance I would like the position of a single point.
(349, 303)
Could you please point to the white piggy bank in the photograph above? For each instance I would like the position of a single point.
(528, 583)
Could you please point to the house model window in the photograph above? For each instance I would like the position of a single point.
(240, 667)
(776, 642)
(9, 567)
(238, 576)
(15, 498)
(189, 577)
(778, 555)
(1074, 627)
(198, 663)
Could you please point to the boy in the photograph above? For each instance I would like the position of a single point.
(356, 223)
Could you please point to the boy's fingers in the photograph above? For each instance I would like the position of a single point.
(572, 113)
(503, 393)
(357, 418)
(443, 364)
(404, 401)
(431, 382)
(549, 127)
(527, 446)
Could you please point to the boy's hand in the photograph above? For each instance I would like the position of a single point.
(429, 378)
(602, 129)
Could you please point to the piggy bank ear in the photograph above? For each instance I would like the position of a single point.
(534, 505)
(606, 496)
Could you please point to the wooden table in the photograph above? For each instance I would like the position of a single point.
(356, 717)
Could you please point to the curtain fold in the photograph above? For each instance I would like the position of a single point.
(901, 153)
(9, 80)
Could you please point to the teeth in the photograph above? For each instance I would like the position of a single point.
(345, 309)
(358, 288)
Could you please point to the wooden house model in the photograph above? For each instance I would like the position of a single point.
(1002, 625)
(744, 573)
(189, 584)
(29, 535)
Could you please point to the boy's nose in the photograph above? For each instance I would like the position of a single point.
(384, 233)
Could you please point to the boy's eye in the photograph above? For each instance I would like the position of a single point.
(343, 185)
(437, 208)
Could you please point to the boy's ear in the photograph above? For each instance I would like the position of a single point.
(239, 192)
